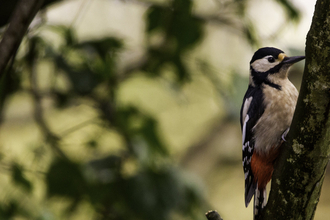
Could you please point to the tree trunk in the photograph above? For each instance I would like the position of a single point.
(300, 169)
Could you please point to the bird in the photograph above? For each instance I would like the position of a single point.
(266, 115)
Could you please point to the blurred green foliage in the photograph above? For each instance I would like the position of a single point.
(153, 188)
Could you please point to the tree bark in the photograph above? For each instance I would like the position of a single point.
(300, 169)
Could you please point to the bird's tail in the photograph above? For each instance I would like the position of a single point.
(260, 201)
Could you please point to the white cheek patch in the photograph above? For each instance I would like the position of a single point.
(263, 65)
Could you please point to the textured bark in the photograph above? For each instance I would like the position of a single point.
(300, 169)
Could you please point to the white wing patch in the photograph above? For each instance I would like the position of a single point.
(244, 131)
(246, 107)
(245, 119)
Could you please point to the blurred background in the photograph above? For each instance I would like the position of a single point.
(129, 109)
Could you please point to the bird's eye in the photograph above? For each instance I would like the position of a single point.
(271, 59)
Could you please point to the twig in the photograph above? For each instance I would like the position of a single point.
(20, 21)
(51, 138)
(213, 215)
(77, 127)
(84, 6)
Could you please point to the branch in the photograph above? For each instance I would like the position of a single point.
(300, 169)
(51, 137)
(213, 215)
(20, 21)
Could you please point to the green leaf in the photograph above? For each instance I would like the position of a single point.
(185, 28)
(111, 162)
(153, 194)
(64, 178)
(137, 124)
(9, 210)
(187, 31)
(149, 131)
(106, 169)
(181, 69)
(155, 62)
(19, 178)
(182, 5)
(124, 118)
(157, 18)
(103, 47)
(61, 99)
(67, 33)
(82, 79)
(181, 30)
(177, 23)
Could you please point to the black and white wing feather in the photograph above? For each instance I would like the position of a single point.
(251, 111)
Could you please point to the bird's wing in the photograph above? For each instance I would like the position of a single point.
(251, 111)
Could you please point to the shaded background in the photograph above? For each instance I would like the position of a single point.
(126, 109)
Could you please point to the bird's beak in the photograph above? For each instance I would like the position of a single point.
(292, 60)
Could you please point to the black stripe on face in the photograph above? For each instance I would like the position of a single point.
(261, 77)
(276, 86)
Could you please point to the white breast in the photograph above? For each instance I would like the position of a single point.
(277, 117)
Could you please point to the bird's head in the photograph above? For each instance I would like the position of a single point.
(270, 63)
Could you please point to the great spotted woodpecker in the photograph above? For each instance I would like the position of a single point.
(266, 116)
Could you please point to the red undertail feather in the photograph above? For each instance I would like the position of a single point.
(262, 167)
